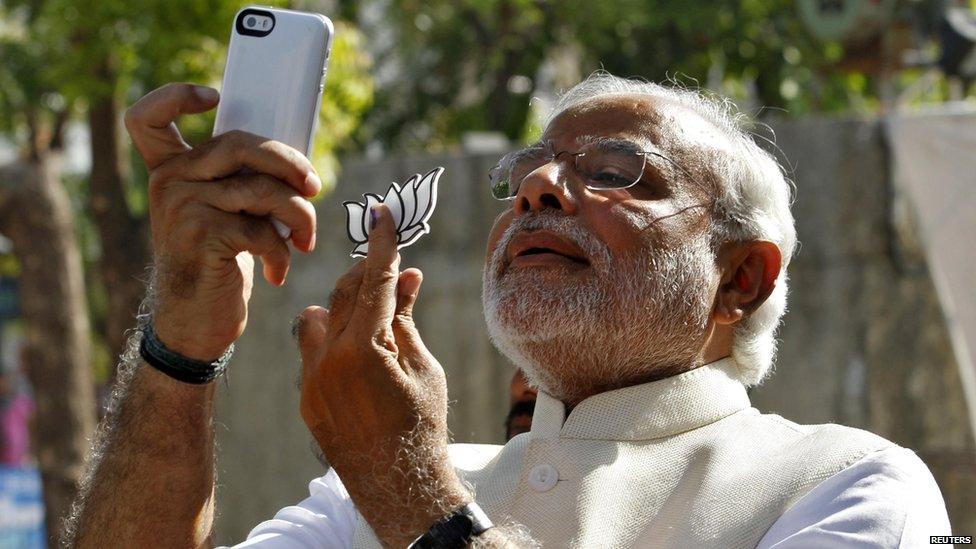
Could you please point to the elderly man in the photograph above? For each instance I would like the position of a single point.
(637, 279)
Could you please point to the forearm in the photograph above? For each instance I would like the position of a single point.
(150, 479)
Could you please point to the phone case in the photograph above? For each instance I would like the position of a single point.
(273, 79)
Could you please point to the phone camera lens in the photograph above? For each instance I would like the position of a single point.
(250, 22)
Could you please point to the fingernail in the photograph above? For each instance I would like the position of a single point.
(313, 182)
(374, 217)
(207, 94)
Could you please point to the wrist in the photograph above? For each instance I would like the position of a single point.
(178, 340)
(178, 401)
(453, 496)
(179, 367)
(425, 501)
(456, 530)
(440, 503)
(196, 327)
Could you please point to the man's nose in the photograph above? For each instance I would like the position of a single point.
(546, 187)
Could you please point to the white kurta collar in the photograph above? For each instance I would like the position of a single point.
(651, 410)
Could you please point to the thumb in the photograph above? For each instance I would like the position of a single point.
(151, 120)
(311, 329)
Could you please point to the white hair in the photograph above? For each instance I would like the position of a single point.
(752, 201)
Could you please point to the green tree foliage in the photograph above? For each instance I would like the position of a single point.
(62, 53)
(473, 64)
(347, 98)
(51, 49)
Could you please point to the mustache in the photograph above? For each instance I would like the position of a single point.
(563, 225)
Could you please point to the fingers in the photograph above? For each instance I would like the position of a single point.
(408, 287)
(233, 151)
(312, 332)
(150, 120)
(405, 332)
(260, 195)
(376, 301)
(245, 233)
(342, 301)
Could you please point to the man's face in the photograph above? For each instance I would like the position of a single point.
(591, 290)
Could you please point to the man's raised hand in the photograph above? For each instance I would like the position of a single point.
(207, 218)
(374, 397)
(365, 349)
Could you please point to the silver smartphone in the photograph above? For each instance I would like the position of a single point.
(275, 74)
(274, 77)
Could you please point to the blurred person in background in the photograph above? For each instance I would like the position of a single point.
(521, 405)
(21, 507)
(16, 411)
(637, 279)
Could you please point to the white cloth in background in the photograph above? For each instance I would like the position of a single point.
(881, 495)
(934, 157)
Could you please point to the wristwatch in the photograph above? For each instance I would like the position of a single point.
(456, 530)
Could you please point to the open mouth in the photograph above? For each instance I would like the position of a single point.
(544, 248)
(538, 250)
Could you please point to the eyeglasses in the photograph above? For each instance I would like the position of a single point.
(603, 164)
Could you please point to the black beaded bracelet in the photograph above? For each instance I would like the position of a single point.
(177, 366)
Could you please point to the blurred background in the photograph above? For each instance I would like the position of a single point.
(870, 104)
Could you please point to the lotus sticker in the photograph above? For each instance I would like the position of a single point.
(411, 205)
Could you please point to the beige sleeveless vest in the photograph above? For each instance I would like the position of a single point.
(680, 462)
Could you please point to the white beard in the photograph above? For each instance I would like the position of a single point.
(620, 322)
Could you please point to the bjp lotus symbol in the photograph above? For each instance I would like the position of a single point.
(411, 206)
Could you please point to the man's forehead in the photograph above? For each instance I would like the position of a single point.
(649, 120)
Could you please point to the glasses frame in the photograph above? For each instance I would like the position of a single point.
(553, 156)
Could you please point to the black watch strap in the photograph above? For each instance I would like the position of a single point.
(456, 530)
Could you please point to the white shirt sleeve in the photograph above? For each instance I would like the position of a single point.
(325, 520)
(886, 499)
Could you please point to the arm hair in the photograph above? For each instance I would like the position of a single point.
(150, 474)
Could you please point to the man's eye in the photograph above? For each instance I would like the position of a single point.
(611, 178)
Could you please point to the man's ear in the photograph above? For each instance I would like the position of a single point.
(749, 272)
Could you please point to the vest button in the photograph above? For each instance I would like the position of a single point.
(543, 477)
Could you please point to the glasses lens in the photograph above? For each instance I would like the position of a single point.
(609, 166)
(498, 177)
(512, 169)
